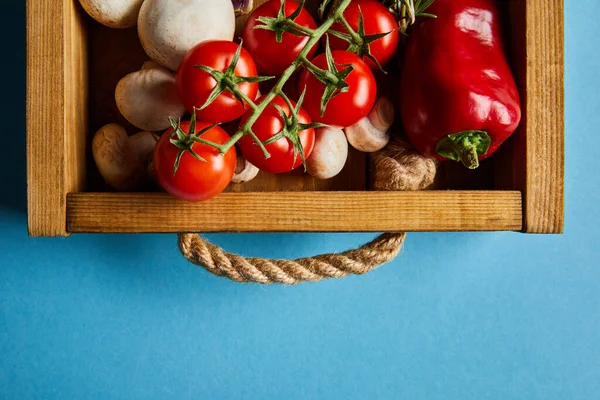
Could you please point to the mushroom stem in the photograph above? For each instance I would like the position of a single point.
(244, 170)
(372, 133)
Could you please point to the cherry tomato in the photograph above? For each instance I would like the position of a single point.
(377, 19)
(195, 85)
(194, 180)
(269, 124)
(272, 57)
(345, 108)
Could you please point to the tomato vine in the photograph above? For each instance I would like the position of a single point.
(406, 12)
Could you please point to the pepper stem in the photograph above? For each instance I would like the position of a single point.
(465, 147)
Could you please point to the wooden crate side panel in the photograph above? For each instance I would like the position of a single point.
(544, 171)
(76, 95)
(297, 212)
(56, 111)
(47, 189)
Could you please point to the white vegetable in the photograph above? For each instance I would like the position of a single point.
(371, 133)
(121, 159)
(113, 13)
(168, 29)
(244, 170)
(329, 154)
(148, 97)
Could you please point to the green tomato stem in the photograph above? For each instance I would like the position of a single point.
(355, 36)
(257, 109)
(315, 70)
(300, 28)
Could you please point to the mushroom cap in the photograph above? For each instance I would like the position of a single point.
(115, 158)
(168, 29)
(329, 154)
(148, 97)
(113, 13)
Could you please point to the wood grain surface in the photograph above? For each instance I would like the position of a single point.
(61, 122)
(537, 163)
(298, 212)
(56, 111)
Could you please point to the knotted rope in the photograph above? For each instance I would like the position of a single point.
(398, 165)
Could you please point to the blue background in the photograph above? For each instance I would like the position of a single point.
(456, 316)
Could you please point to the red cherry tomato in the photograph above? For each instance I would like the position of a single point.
(195, 85)
(376, 19)
(345, 108)
(194, 180)
(272, 57)
(269, 124)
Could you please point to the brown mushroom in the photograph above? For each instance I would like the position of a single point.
(121, 159)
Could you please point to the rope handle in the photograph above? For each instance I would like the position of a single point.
(240, 269)
(398, 167)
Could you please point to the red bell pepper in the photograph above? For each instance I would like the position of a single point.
(459, 99)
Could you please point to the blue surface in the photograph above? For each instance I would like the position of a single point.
(124, 317)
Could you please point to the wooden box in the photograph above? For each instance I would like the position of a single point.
(73, 65)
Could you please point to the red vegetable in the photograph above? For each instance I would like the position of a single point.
(380, 32)
(195, 86)
(194, 179)
(273, 57)
(293, 146)
(459, 99)
(345, 108)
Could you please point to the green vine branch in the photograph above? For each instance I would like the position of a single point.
(358, 41)
(406, 11)
(227, 81)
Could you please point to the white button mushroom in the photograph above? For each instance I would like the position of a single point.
(121, 159)
(113, 13)
(168, 29)
(329, 154)
(244, 170)
(148, 97)
(371, 133)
